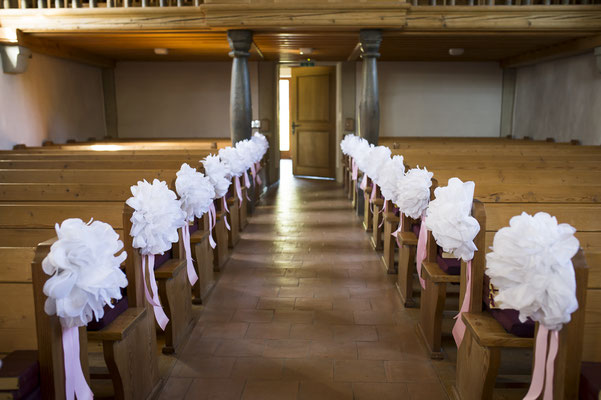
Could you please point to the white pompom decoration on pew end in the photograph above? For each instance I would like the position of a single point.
(262, 142)
(247, 151)
(157, 217)
(361, 153)
(219, 174)
(413, 192)
(531, 266)
(378, 156)
(195, 190)
(85, 273)
(390, 173)
(448, 217)
(232, 157)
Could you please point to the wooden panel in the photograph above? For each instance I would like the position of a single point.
(584, 217)
(593, 260)
(98, 176)
(49, 192)
(16, 237)
(589, 241)
(15, 264)
(17, 320)
(46, 215)
(592, 327)
(313, 98)
(314, 148)
(83, 164)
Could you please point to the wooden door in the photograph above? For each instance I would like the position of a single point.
(312, 121)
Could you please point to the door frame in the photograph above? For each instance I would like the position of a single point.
(333, 71)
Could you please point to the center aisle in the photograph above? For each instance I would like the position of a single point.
(304, 310)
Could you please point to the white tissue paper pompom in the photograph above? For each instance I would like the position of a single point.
(195, 190)
(157, 217)
(390, 173)
(231, 156)
(378, 156)
(413, 192)
(219, 174)
(362, 151)
(261, 140)
(246, 150)
(448, 217)
(85, 271)
(531, 266)
(346, 144)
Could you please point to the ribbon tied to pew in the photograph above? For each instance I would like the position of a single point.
(232, 157)
(531, 266)
(412, 195)
(155, 222)
(349, 145)
(196, 194)
(262, 146)
(85, 276)
(454, 229)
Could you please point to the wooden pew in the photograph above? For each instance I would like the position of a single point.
(130, 339)
(479, 355)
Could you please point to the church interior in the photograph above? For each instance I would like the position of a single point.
(279, 199)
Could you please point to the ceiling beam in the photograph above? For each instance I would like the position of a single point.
(563, 49)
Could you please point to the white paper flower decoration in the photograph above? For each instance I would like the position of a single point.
(85, 271)
(157, 217)
(219, 174)
(531, 266)
(260, 140)
(247, 151)
(448, 217)
(195, 190)
(390, 173)
(347, 144)
(362, 152)
(413, 192)
(231, 156)
(378, 156)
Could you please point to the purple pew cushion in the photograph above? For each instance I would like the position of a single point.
(161, 259)
(415, 229)
(194, 226)
(590, 381)
(451, 266)
(110, 314)
(509, 319)
(23, 369)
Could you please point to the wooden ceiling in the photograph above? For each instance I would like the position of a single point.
(327, 46)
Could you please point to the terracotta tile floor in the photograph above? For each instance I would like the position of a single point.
(305, 310)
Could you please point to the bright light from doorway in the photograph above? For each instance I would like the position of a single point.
(284, 115)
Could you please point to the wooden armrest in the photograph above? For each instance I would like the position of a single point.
(220, 214)
(389, 216)
(198, 236)
(378, 202)
(407, 238)
(431, 271)
(232, 200)
(489, 332)
(119, 328)
(367, 189)
(170, 268)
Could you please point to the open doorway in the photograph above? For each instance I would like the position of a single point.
(307, 121)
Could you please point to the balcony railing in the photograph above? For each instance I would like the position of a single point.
(24, 4)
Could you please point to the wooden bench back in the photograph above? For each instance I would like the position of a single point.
(108, 176)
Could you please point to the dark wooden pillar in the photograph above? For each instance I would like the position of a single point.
(369, 107)
(240, 100)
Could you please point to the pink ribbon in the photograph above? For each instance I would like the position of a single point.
(363, 185)
(246, 180)
(420, 253)
(212, 223)
(398, 230)
(192, 276)
(544, 364)
(354, 168)
(374, 189)
(238, 188)
(253, 172)
(153, 296)
(459, 328)
(75, 381)
(383, 211)
(258, 168)
(227, 210)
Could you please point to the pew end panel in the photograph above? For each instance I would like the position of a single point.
(389, 245)
(203, 257)
(233, 217)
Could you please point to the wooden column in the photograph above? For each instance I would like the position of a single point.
(240, 100)
(369, 108)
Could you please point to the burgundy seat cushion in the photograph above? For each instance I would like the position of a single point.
(451, 266)
(110, 314)
(415, 229)
(509, 319)
(161, 259)
(194, 226)
(590, 381)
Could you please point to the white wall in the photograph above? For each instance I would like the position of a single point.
(53, 100)
(438, 99)
(176, 99)
(559, 99)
